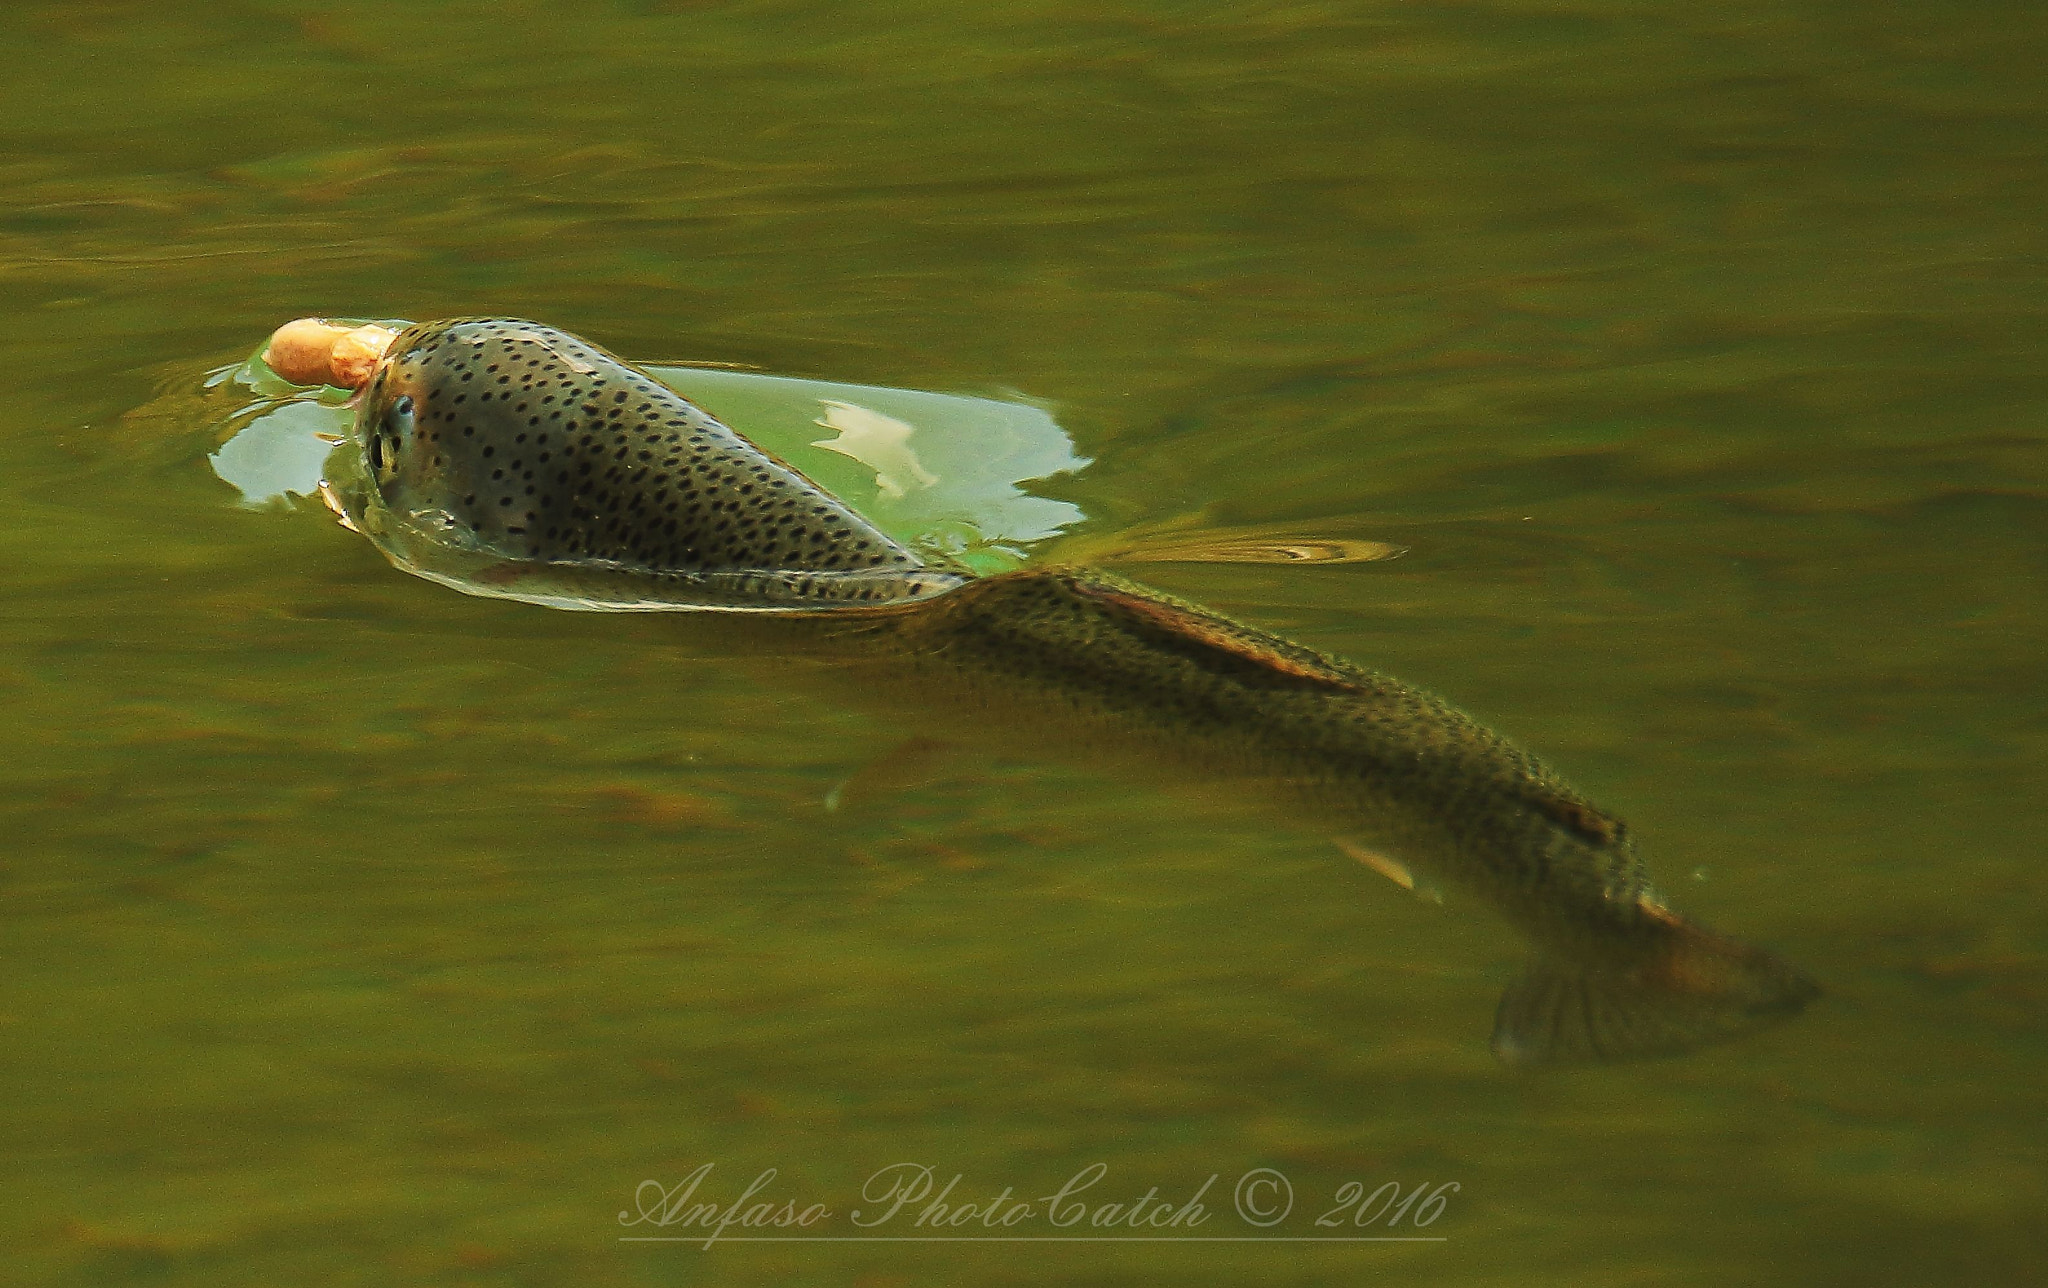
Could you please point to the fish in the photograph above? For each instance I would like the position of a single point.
(513, 459)
(1417, 789)
(504, 457)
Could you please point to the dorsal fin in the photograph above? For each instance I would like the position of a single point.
(1574, 815)
(1215, 645)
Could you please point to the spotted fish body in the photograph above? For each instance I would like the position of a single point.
(550, 469)
(506, 454)
(1418, 789)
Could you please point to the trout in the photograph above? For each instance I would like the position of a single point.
(510, 459)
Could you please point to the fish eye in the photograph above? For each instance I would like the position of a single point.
(386, 439)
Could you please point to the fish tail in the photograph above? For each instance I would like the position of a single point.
(1695, 988)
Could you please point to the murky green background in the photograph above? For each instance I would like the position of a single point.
(358, 932)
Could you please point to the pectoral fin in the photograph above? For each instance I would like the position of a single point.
(911, 763)
(1393, 870)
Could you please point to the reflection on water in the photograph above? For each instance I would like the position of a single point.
(951, 476)
(882, 443)
(281, 450)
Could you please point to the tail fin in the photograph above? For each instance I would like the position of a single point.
(1697, 989)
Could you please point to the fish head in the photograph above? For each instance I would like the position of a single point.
(455, 429)
(411, 472)
(498, 451)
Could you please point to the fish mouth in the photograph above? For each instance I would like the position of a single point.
(377, 373)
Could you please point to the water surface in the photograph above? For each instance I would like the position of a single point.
(358, 932)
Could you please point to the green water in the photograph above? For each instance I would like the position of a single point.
(359, 932)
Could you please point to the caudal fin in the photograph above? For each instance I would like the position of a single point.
(1697, 989)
